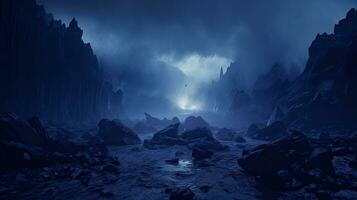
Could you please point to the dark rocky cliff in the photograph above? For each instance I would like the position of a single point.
(325, 94)
(47, 70)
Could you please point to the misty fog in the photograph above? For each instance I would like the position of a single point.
(163, 54)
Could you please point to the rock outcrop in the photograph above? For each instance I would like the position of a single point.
(113, 132)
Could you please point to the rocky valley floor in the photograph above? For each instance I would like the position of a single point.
(153, 174)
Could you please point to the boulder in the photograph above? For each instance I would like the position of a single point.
(253, 129)
(274, 131)
(115, 133)
(193, 122)
(16, 130)
(281, 154)
(321, 158)
(204, 138)
(292, 162)
(225, 134)
(166, 137)
(239, 139)
(196, 134)
(201, 153)
(36, 124)
(182, 194)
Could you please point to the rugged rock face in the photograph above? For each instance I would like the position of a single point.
(241, 101)
(325, 93)
(221, 93)
(115, 133)
(269, 87)
(49, 64)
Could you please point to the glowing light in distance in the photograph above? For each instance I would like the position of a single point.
(185, 103)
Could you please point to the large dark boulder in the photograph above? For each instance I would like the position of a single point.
(225, 134)
(293, 162)
(272, 132)
(166, 137)
(253, 129)
(321, 158)
(115, 133)
(36, 124)
(193, 122)
(281, 154)
(201, 153)
(16, 130)
(204, 138)
(170, 137)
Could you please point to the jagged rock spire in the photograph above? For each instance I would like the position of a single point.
(221, 74)
(74, 28)
(73, 23)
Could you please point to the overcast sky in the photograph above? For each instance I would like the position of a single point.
(158, 45)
